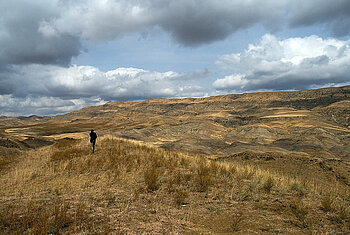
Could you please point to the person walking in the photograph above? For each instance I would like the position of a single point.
(93, 137)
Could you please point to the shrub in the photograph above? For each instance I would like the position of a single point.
(246, 174)
(204, 178)
(184, 162)
(237, 218)
(252, 186)
(8, 220)
(268, 184)
(175, 180)
(300, 190)
(80, 215)
(227, 171)
(151, 176)
(214, 168)
(180, 195)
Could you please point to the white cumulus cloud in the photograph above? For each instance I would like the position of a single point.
(49, 89)
(293, 63)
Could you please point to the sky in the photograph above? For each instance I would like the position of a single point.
(62, 55)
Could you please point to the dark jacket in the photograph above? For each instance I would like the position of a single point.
(93, 136)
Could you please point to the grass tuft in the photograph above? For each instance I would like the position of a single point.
(299, 189)
(236, 220)
(327, 203)
(151, 176)
(300, 211)
(180, 195)
(342, 214)
(268, 184)
(204, 175)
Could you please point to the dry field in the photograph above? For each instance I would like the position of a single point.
(129, 187)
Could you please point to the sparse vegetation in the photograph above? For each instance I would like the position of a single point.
(237, 219)
(180, 195)
(204, 173)
(3, 162)
(327, 203)
(300, 210)
(130, 187)
(342, 214)
(267, 163)
(151, 176)
(299, 190)
(36, 218)
(268, 184)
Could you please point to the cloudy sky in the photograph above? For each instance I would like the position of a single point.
(61, 55)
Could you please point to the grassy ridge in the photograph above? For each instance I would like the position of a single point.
(129, 187)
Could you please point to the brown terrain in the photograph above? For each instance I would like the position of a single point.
(276, 162)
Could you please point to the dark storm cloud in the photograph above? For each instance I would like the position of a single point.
(49, 32)
(198, 22)
(335, 13)
(195, 22)
(7, 86)
(24, 37)
(190, 22)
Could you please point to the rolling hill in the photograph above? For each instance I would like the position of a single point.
(274, 162)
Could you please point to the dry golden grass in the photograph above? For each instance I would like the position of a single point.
(65, 143)
(328, 203)
(151, 176)
(130, 187)
(3, 162)
(300, 210)
(204, 174)
(268, 184)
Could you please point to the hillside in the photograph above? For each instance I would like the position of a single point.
(307, 123)
(130, 188)
(274, 162)
(310, 126)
